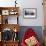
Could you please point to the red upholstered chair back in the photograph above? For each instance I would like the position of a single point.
(29, 33)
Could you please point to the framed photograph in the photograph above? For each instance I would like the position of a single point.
(5, 12)
(30, 12)
(13, 12)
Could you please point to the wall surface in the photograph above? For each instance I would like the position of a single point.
(7, 3)
(27, 4)
(32, 4)
(45, 22)
(44, 12)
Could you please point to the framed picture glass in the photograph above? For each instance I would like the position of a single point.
(5, 12)
(30, 12)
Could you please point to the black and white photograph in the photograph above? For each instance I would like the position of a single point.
(30, 12)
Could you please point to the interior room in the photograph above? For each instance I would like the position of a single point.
(22, 22)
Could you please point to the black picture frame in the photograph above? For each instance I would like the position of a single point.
(30, 13)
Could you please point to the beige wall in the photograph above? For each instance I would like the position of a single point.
(44, 4)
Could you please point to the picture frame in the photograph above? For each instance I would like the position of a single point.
(5, 12)
(30, 12)
(13, 12)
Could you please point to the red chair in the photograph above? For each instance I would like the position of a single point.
(29, 33)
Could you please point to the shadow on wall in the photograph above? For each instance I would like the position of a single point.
(37, 29)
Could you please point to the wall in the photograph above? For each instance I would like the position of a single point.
(32, 4)
(45, 22)
(44, 12)
(27, 4)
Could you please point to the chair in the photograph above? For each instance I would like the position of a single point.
(29, 33)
